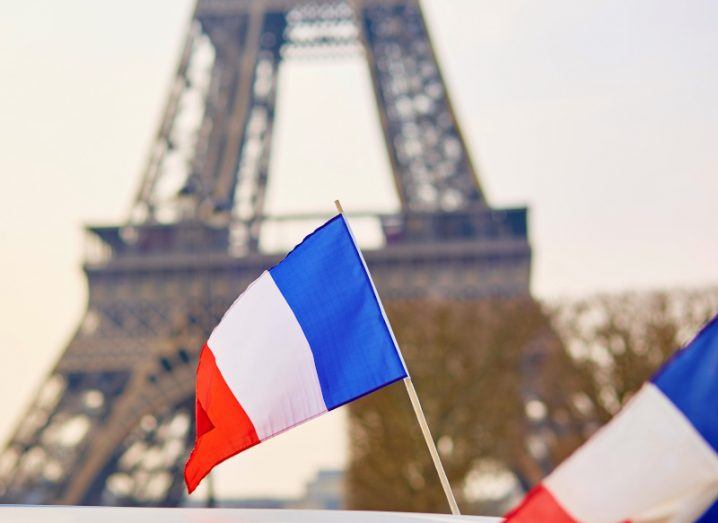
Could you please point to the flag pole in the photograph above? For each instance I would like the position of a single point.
(419, 412)
(432, 447)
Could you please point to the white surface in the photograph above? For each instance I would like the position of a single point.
(167, 515)
(266, 361)
(648, 457)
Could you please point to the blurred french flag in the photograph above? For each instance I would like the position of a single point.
(656, 461)
(306, 337)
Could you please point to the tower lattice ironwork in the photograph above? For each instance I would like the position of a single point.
(112, 422)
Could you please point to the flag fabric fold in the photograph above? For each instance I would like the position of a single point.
(656, 461)
(306, 337)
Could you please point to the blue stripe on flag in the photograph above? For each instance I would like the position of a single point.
(325, 284)
(710, 515)
(690, 381)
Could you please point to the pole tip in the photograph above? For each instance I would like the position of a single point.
(338, 205)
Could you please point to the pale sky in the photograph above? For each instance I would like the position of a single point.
(601, 116)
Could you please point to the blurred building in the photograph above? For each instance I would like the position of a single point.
(324, 491)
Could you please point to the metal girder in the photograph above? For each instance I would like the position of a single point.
(229, 163)
(231, 7)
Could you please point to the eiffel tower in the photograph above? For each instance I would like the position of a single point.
(112, 422)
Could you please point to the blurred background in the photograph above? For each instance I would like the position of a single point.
(534, 185)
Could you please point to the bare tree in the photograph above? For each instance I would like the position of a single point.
(510, 388)
(466, 361)
(619, 341)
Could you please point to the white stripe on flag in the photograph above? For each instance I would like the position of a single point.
(685, 509)
(647, 454)
(266, 361)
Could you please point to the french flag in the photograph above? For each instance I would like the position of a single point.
(306, 337)
(656, 461)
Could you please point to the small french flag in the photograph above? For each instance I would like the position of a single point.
(656, 461)
(306, 337)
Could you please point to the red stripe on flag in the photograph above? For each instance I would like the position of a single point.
(539, 506)
(223, 429)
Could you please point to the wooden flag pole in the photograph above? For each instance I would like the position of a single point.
(432, 447)
(419, 412)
